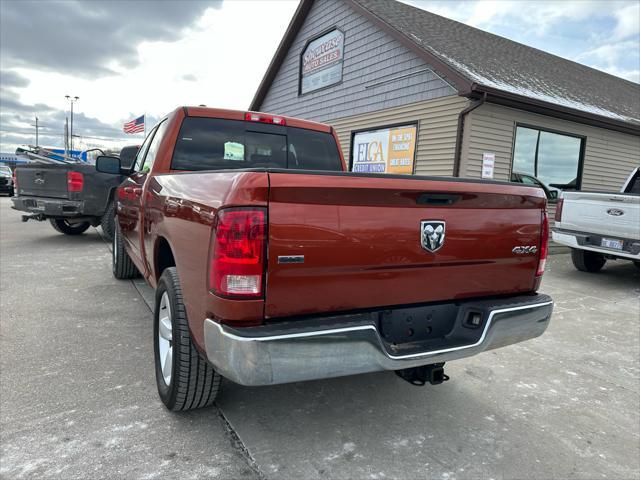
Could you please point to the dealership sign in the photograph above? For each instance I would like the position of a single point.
(322, 62)
(388, 150)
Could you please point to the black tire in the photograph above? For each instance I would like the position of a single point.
(63, 226)
(122, 266)
(193, 382)
(637, 264)
(108, 221)
(12, 192)
(587, 261)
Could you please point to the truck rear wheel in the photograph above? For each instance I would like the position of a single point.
(184, 378)
(587, 261)
(122, 265)
(108, 220)
(64, 226)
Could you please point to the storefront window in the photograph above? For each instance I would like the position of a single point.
(552, 158)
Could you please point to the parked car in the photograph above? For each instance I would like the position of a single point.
(600, 226)
(550, 192)
(72, 196)
(272, 264)
(6, 180)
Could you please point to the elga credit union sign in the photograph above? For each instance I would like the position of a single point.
(389, 150)
(322, 62)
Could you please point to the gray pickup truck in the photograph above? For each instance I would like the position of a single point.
(72, 197)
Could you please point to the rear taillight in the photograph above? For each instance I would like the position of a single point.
(544, 245)
(237, 258)
(75, 181)
(15, 180)
(264, 118)
(558, 215)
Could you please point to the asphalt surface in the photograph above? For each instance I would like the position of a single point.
(78, 398)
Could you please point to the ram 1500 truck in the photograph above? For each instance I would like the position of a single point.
(600, 226)
(272, 264)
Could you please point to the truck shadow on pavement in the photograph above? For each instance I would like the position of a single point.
(57, 239)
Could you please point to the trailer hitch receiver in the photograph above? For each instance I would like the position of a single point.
(434, 374)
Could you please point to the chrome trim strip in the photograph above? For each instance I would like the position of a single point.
(372, 327)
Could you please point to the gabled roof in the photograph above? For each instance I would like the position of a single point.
(477, 63)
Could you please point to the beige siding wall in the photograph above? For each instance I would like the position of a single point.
(609, 155)
(437, 127)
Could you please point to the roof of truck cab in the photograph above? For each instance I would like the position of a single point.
(240, 114)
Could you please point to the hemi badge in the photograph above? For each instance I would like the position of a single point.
(291, 259)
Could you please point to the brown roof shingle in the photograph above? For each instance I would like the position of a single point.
(491, 61)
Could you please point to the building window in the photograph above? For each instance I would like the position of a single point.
(553, 158)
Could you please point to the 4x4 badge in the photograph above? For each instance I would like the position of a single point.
(432, 234)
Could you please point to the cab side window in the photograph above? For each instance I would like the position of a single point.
(152, 151)
(137, 166)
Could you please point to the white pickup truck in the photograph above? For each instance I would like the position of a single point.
(600, 226)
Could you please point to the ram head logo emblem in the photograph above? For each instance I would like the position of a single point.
(431, 234)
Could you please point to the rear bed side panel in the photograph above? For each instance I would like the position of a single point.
(360, 238)
(181, 208)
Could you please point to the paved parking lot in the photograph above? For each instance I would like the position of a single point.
(78, 399)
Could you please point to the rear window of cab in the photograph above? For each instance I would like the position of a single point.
(220, 144)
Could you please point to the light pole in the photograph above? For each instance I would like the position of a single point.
(72, 100)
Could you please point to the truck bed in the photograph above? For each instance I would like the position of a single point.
(359, 237)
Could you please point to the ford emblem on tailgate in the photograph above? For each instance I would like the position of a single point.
(431, 234)
(616, 212)
(38, 180)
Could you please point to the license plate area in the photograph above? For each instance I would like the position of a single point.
(612, 243)
(407, 325)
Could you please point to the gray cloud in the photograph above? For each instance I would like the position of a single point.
(82, 38)
(189, 77)
(9, 79)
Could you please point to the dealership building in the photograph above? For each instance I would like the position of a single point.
(412, 92)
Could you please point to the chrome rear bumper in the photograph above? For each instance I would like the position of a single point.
(352, 344)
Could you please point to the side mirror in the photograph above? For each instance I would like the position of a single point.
(553, 194)
(107, 164)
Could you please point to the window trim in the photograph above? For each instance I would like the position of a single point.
(583, 145)
(409, 123)
(304, 48)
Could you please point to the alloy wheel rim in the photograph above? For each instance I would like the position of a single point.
(165, 338)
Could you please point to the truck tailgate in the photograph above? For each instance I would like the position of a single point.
(360, 238)
(610, 214)
(43, 181)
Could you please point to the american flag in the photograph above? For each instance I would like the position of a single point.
(134, 126)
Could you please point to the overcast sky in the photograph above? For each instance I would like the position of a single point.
(127, 58)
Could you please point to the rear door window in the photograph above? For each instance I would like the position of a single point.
(218, 144)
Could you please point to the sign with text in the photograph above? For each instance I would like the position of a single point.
(388, 150)
(322, 62)
(488, 164)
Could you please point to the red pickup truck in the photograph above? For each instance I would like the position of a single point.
(273, 264)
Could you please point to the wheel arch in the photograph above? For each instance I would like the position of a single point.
(163, 257)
